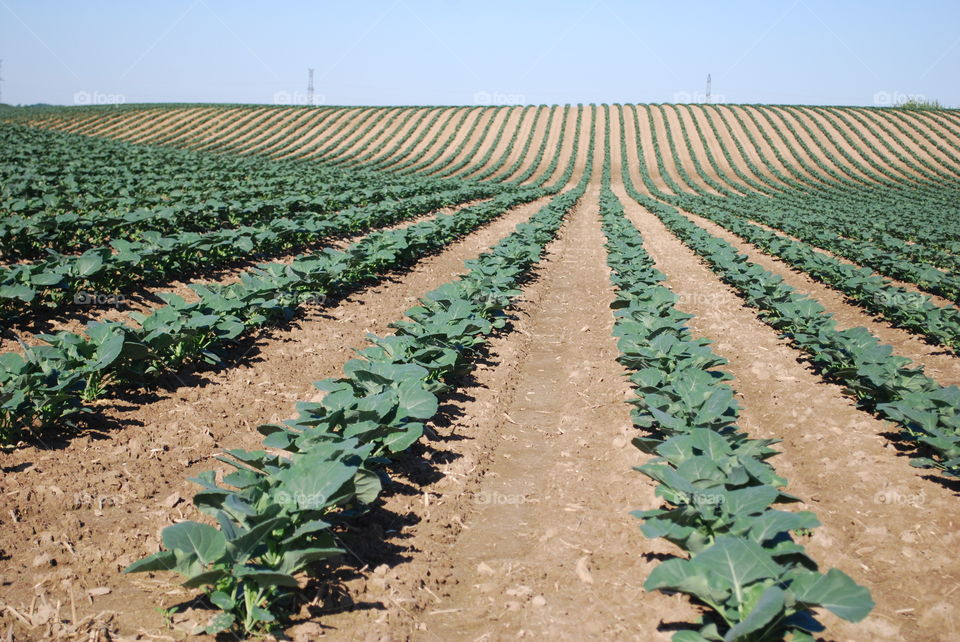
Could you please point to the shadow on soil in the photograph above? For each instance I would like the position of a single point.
(378, 536)
(105, 416)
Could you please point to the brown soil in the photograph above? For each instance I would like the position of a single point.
(413, 124)
(541, 543)
(668, 115)
(513, 521)
(884, 523)
(261, 129)
(470, 131)
(764, 149)
(124, 128)
(474, 151)
(431, 133)
(938, 363)
(936, 127)
(335, 134)
(510, 121)
(515, 536)
(923, 148)
(531, 133)
(635, 119)
(300, 120)
(385, 121)
(144, 300)
(556, 124)
(885, 158)
(661, 134)
(728, 124)
(710, 142)
(96, 501)
(791, 142)
(442, 131)
(569, 125)
(328, 129)
(172, 128)
(316, 121)
(221, 127)
(791, 152)
(938, 300)
(827, 149)
(517, 117)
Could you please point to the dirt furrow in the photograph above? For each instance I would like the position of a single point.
(659, 131)
(426, 133)
(886, 524)
(468, 135)
(635, 121)
(145, 299)
(683, 160)
(322, 134)
(829, 150)
(385, 122)
(763, 148)
(75, 511)
(521, 519)
(692, 117)
(535, 135)
(548, 536)
(450, 129)
(938, 300)
(938, 363)
(569, 127)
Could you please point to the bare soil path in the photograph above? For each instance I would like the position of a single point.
(886, 524)
(74, 513)
(519, 533)
(938, 362)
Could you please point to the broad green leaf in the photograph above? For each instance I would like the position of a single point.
(162, 561)
(401, 440)
(834, 590)
(311, 480)
(680, 575)
(737, 562)
(415, 402)
(108, 351)
(203, 579)
(88, 264)
(222, 600)
(749, 501)
(266, 579)
(247, 543)
(368, 486)
(769, 606)
(205, 542)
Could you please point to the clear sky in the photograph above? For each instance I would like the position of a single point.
(424, 52)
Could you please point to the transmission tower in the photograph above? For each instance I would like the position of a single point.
(708, 89)
(310, 86)
(1, 81)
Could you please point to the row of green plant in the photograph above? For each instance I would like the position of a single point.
(278, 511)
(718, 490)
(834, 220)
(907, 309)
(50, 382)
(66, 193)
(123, 264)
(901, 220)
(927, 413)
(904, 308)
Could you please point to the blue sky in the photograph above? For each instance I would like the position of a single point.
(450, 52)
